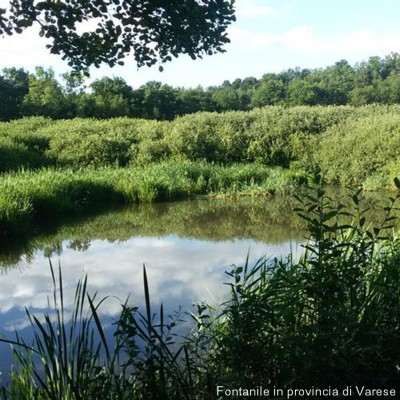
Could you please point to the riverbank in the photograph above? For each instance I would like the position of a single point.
(350, 145)
(29, 197)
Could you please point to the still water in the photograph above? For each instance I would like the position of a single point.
(186, 247)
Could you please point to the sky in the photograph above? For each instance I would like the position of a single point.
(268, 36)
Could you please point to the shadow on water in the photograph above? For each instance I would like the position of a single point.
(269, 221)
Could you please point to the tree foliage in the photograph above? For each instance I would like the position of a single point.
(14, 85)
(90, 32)
(45, 96)
(376, 80)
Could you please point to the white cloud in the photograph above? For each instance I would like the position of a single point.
(305, 39)
(299, 38)
(245, 39)
(252, 9)
(366, 40)
(179, 272)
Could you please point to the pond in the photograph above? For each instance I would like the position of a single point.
(186, 248)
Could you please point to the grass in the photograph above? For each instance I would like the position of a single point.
(329, 319)
(29, 196)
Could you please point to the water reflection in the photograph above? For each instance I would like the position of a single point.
(186, 247)
(270, 221)
(180, 271)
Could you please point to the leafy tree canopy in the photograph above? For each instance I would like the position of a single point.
(89, 32)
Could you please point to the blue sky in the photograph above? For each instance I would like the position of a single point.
(269, 36)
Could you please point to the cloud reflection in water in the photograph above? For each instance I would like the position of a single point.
(180, 272)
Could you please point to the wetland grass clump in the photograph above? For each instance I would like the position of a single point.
(28, 196)
(329, 319)
(70, 357)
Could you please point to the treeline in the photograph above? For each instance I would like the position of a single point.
(41, 94)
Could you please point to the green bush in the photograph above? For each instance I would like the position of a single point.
(15, 155)
(358, 149)
(152, 145)
(24, 125)
(84, 142)
(194, 137)
(351, 145)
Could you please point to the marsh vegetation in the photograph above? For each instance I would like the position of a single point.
(51, 168)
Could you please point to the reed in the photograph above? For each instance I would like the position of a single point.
(27, 196)
(70, 357)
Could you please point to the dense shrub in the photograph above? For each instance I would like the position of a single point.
(24, 125)
(14, 155)
(262, 135)
(152, 144)
(83, 142)
(351, 145)
(358, 149)
(21, 146)
(195, 137)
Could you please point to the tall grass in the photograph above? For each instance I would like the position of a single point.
(329, 319)
(28, 196)
(70, 357)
